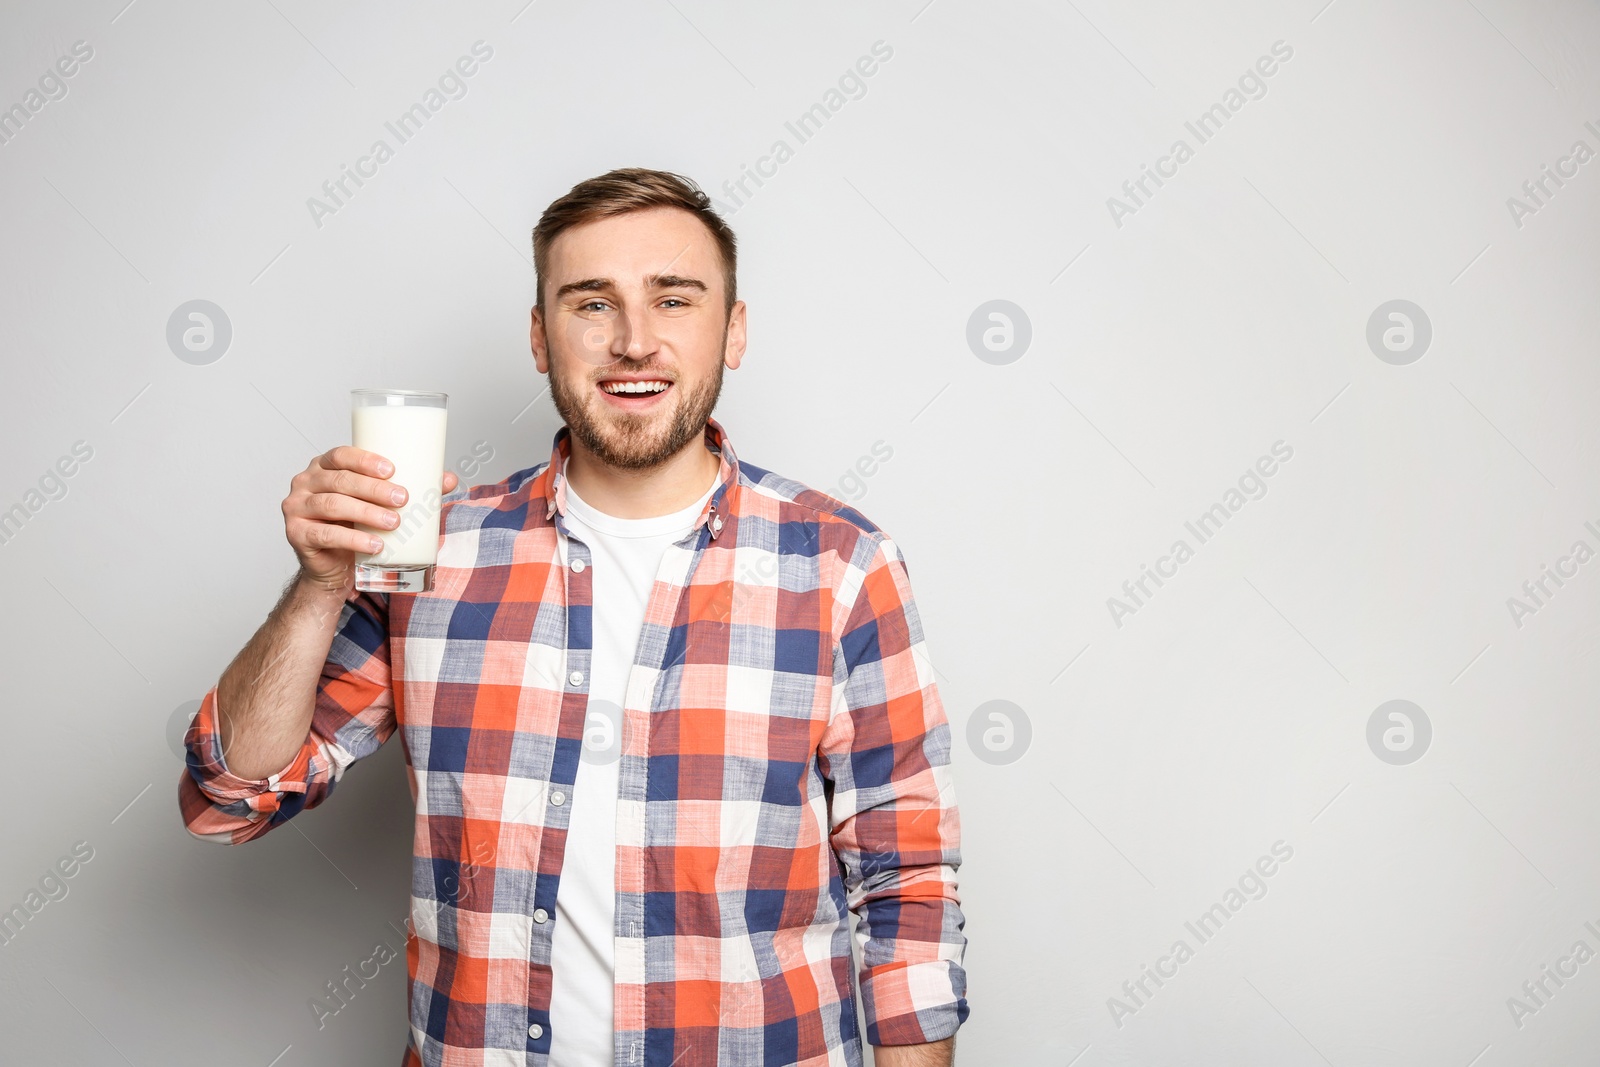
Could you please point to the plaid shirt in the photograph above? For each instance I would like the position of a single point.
(785, 759)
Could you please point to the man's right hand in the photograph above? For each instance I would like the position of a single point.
(343, 486)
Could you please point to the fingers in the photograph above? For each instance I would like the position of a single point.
(339, 490)
(345, 481)
(341, 487)
(342, 507)
(309, 536)
(348, 457)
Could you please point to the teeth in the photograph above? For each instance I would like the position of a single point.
(633, 387)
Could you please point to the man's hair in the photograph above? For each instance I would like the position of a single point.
(623, 190)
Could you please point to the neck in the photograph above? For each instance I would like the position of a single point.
(643, 494)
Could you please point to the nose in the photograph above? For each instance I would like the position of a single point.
(634, 337)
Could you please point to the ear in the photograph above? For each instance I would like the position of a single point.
(734, 352)
(536, 338)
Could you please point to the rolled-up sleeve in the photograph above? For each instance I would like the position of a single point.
(354, 716)
(895, 825)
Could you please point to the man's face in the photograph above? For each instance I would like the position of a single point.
(636, 298)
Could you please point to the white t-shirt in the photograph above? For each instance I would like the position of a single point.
(625, 555)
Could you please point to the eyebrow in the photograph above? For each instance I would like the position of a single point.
(651, 281)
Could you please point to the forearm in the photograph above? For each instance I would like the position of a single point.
(935, 1054)
(267, 695)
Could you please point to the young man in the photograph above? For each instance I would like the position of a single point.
(668, 717)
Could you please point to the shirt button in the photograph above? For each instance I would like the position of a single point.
(540, 915)
(576, 678)
(557, 798)
(535, 1031)
(577, 566)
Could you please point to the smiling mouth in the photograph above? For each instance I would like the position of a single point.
(648, 388)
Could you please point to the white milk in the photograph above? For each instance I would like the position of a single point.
(412, 438)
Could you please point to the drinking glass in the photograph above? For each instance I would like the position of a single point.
(406, 427)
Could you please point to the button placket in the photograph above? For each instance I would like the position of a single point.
(574, 579)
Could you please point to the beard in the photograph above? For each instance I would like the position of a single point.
(634, 440)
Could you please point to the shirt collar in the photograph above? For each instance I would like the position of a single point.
(552, 481)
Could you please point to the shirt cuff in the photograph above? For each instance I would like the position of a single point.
(220, 785)
(914, 1003)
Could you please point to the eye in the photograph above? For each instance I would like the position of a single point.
(676, 300)
(586, 305)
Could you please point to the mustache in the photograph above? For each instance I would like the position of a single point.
(635, 372)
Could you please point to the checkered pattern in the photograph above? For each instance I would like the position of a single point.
(785, 760)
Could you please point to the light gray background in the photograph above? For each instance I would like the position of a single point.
(1168, 353)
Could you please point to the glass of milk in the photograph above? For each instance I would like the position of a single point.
(406, 428)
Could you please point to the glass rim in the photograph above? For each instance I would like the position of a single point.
(399, 392)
